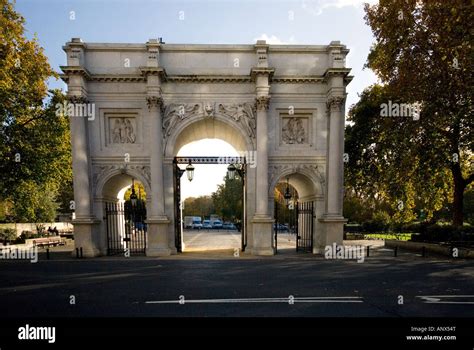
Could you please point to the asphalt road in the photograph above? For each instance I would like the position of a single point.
(220, 284)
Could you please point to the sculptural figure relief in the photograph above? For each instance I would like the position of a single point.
(174, 113)
(293, 132)
(122, 131)
(241, 113)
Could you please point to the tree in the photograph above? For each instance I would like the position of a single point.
(202, 206)
(34, 202)
(228, 199)
(386, 170)
(34, 139)
(423, 54)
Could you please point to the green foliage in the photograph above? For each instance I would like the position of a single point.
(7, 234)
(202, 206)
(228, 200)
(139, 191)
(34, 141)
(422, 53)
(445, 233)
(386, 169)
(34, 202)
(395, 236)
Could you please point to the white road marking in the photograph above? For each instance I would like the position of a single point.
(262, 300)
(437, 299)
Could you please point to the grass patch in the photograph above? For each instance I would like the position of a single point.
(395, 236)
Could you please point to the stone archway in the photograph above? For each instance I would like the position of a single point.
(309, 183)
(108, 182)
(230, 122)
(289, 116)
(219, 126)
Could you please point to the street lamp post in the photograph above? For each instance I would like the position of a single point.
(240, 169)
(190, 171)
(133, 195)
(287, 194)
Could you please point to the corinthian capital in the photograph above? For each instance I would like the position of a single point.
(335, 102)
(262, 103)
(155, 101)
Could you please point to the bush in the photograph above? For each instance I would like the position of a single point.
(444, 233)
(7, 235)
(374, 226)
(352, 228)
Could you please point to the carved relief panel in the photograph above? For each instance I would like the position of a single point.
(296, 129)
(121, 129)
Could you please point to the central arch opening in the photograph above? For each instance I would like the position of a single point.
(212, 202)
(211, 211)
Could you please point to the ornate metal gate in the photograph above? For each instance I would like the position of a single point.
(299, 221)
(305, 224)
(126, 228)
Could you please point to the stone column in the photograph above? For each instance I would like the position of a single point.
(262, 155)
(335, 150)
(157, 220)
(332, 220)
(157, 240)
(86, 226)
(262, 222)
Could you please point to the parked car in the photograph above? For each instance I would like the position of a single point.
(280, 227)
(229, 226)
(197, 223)
(206, 224)
(217, 225)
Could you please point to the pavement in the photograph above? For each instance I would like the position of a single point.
(216, 282)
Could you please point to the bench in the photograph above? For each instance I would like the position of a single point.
(48, 241)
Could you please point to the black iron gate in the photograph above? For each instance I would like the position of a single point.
(305, 224)
(126, 228)
(178, 227)
(299, 221)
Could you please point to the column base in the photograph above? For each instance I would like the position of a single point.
(262, 235)
(332, 227)
(86, 236)
(87, 253)
(157, 236)
(262, 251)
(158, 251)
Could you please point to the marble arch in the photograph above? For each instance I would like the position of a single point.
(285, 103)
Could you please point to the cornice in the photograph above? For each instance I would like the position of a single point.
(295, 79)
(145, 71)
(158, 71)
(209, 78)
(256, 71)
(74, 70)
(331, 72)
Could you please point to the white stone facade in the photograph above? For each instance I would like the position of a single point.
(283, 102)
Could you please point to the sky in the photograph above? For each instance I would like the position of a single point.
(309, 22)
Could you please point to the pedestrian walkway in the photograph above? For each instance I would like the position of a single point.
(210, 240)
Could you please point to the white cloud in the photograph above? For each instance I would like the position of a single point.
(316, 7)
(274, 40)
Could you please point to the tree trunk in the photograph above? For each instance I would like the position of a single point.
(459, 186)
